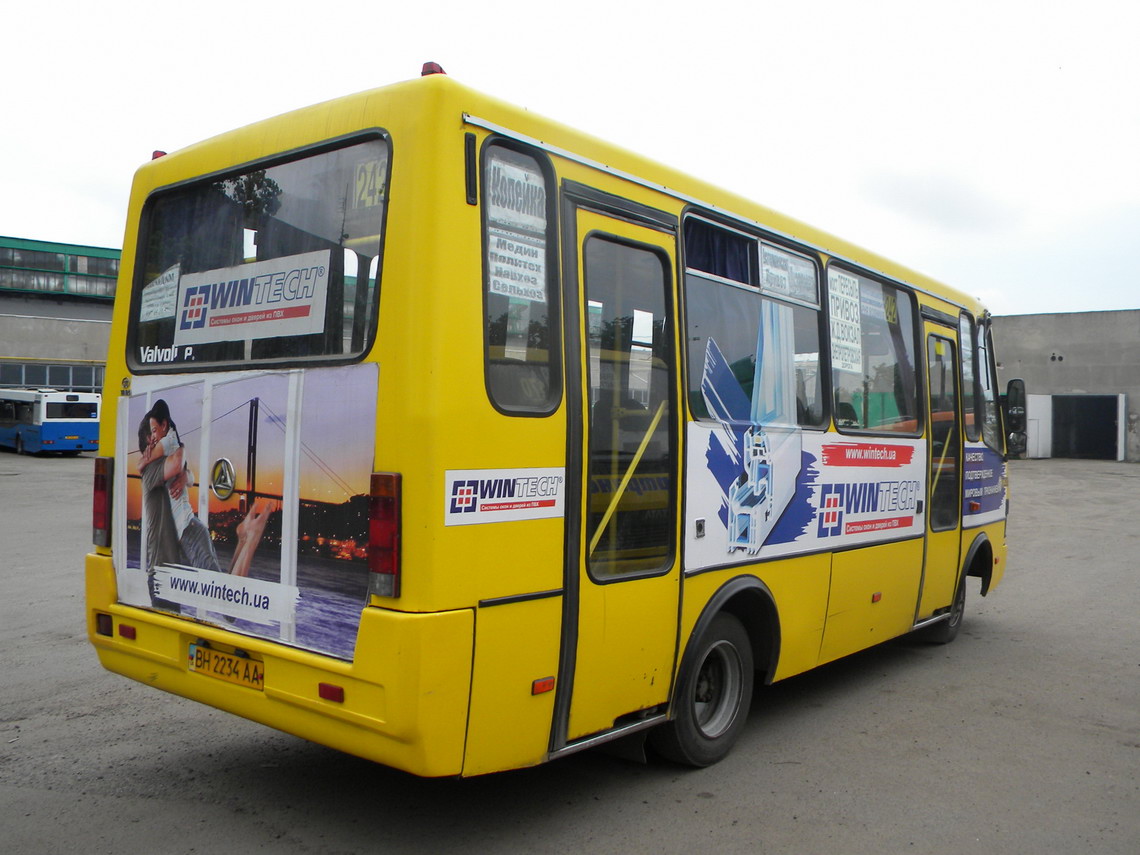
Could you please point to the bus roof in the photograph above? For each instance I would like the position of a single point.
(382, 106)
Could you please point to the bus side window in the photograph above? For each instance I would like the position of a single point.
(991, 424)
(520, 295)
(967, 346)
(758, 357)
(874, 380)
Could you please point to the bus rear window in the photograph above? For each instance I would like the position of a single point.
(278, 263)
(80, 410)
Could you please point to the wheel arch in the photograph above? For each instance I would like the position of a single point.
(979, 561)
(751, 602)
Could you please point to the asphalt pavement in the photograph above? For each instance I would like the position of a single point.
(1022, 736)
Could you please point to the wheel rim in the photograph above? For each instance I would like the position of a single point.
(716, 694)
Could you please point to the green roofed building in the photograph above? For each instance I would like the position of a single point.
(55, 313)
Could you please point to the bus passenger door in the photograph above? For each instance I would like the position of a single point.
(944, 491)
(623, 572)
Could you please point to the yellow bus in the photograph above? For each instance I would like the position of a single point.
(456, 439)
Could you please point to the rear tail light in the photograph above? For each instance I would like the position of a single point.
(101, 501)
(384, 534)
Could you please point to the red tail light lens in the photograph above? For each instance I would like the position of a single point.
(101, 501)
(384, 534)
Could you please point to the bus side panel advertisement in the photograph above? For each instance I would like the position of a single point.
(760, 486)
(839, 493)
(247, 501)
(983, 494)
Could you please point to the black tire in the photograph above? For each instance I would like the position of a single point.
(947, 630)
(712, 698)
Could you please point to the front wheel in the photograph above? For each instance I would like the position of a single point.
(712, 698)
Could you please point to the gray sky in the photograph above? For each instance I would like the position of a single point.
(994, 145)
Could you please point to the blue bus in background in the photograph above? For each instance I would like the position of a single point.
(35, 420)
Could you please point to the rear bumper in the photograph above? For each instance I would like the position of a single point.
(405, 695)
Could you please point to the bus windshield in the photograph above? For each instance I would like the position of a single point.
(277, 263)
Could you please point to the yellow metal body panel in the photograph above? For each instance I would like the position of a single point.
(941, 572)
(516, 644)
(405, 698)
(799, 587)
(996, 534)
(625, 652)
(874, 590)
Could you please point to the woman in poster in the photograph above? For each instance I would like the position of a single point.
(175, 534)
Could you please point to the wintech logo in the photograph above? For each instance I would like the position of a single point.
(831, 510)
(194, 308)
(464, 497)
(867, 501)
(468, 496)
(284, 292)
(835, 500)
(200, 299)
(499, 495)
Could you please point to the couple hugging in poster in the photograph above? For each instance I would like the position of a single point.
(175, 534)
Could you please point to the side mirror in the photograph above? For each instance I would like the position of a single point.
(1014, 412)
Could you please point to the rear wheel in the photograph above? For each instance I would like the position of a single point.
(947, 630)
(712, 698)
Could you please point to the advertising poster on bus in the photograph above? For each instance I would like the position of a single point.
(983, 494)
(761, 486)
(247, 500)
(835, 493)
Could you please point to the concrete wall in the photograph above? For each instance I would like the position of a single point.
(52, 338)
(45, 329)
(1075, 353)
